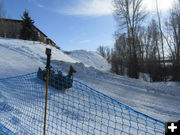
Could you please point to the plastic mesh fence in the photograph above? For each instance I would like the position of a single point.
(77, 110)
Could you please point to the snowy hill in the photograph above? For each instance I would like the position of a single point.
(158, 100)
(19, 57)
(91, 59)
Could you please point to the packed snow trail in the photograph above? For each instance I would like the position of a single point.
(160, 103)
(155, 105)
(78, 110)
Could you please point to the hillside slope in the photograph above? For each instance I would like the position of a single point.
(19, 57)
(90, 58)
(158, 100)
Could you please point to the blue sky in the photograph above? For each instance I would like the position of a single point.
(74, 24)
(71, 24)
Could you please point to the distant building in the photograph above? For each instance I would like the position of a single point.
(10, 28)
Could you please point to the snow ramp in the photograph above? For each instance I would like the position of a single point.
(77, 110)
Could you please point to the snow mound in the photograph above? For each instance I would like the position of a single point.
(91, 59)
(19, 57)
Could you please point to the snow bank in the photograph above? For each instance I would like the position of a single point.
(90, 58)
(19, 57)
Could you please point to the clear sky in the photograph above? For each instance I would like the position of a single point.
(73, 24)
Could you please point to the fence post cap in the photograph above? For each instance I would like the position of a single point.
(48, 51)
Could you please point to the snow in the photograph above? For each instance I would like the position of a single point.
(78, 110)
(19, 57)
(89, 58)
(158, 100)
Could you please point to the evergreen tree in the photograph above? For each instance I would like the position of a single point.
(27, 32)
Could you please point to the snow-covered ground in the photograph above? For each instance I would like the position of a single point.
(91, 59)
(20, 57)
(158, 100)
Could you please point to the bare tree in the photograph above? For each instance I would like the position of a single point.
(173, 38)
(120, 54)
(153, 58)
(102, 51)
(105, 52)
(129, 14)
(108, 54)
(161, 37)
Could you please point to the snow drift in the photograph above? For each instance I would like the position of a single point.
(90, 58)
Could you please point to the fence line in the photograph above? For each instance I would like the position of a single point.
(77, 110)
